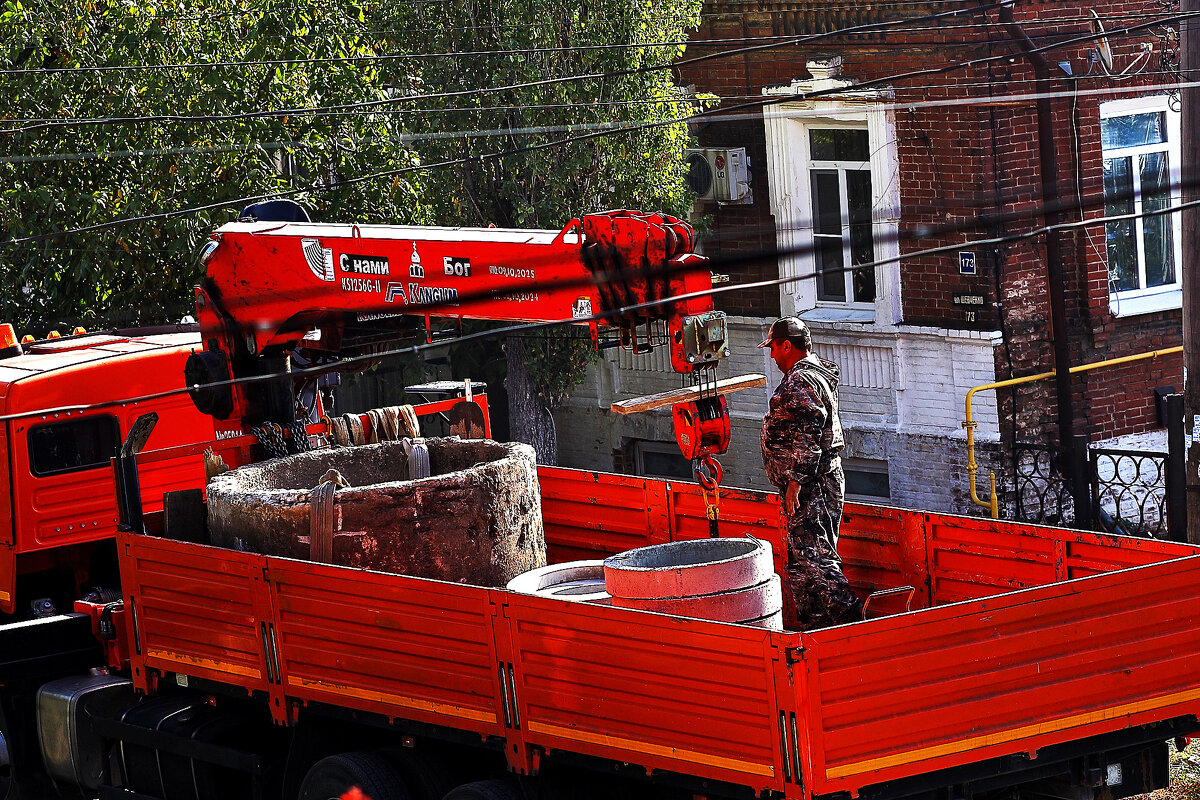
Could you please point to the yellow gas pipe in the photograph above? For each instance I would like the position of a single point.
(991, 503)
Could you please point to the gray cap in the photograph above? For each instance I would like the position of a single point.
(785, 328)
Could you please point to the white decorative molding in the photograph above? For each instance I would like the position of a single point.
(786, 126)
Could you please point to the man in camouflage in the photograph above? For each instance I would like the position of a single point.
(801, 442)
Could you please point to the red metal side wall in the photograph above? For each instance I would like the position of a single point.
(413, 648)
(1012, 673)
(195, 610)
(680, 695)
(844, 707)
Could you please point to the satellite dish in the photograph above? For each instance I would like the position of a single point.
(1103, 50)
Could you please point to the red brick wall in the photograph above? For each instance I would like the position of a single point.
(966, 172)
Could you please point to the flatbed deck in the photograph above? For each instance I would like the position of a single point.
(1021, 640)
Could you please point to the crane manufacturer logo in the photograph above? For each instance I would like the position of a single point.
(395, 289)
(320, 259)
(415, 270)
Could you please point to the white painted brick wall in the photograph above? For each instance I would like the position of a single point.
(902, 401)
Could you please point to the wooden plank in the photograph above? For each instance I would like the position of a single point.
(650, 402)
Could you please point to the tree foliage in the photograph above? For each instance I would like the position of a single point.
(58, 177)
(518, 156)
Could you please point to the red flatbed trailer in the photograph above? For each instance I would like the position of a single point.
(1026, 647)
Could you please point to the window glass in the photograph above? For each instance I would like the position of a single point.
(839, 144)
(1120, 235)
(827, 234)
(867, 480)
(827, 213)
(1133, 130)
(74, 445)
(862, 243)
(1160, 263)
(662, 460)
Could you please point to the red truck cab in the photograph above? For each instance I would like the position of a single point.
(64, 409)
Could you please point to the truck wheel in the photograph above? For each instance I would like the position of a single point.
(373, 775)
(5, 762)
(427, 775)
(487, 790)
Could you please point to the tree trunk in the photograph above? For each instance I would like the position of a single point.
(528, 419)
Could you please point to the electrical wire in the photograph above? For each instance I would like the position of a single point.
(411, 138)
(624, 311)
(402, 99)
(630, 128)
(536, 147)
(460, 54)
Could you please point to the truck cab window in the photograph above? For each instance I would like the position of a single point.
(74, 445)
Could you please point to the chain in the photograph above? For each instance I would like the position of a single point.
(708, 474)
(270, 439)
(298, 443)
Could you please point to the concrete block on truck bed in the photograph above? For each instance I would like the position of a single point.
(477, 519)
(728, 580)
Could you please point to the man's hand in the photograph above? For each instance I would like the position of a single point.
(791, 498)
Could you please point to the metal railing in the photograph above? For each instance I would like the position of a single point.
(1130, 492)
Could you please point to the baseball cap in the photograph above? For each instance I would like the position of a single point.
(785, 328)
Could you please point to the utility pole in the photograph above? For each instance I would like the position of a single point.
(1069, 448)
(1189, 45)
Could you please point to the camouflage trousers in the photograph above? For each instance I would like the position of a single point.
(820, 594)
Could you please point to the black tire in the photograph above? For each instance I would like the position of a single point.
(487, 790)
(426, 773)
(7, 784)
(373, 774)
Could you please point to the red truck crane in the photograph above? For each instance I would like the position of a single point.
(997, 659)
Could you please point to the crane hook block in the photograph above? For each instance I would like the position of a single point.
(702, 427)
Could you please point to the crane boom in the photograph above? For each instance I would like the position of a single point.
(270, 284)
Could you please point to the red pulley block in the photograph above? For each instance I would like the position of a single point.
(701, 427)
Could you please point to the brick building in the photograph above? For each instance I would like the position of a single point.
(918, 130)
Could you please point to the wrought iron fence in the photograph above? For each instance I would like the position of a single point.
(1041, 493)
(1129, 492)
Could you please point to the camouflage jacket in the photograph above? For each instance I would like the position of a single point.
(801, 433)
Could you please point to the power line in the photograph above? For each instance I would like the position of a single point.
(624, 311)
(478, 90)
(458, 54)
(775, 100)
(411, 138)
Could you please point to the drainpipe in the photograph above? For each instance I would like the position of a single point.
(1048, 167)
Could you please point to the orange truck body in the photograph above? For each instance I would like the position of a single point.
(1020, 640)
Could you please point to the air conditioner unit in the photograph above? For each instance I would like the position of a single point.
(721, 174)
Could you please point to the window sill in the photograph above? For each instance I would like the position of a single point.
(1129, 304)
(831, 314)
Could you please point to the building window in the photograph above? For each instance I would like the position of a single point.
(840, 179)
(833, 167)
(73, 445)
(866, 480)
(661, 460)
(1140, 140)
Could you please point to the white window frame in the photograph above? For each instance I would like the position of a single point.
(841, 168)
(1155, 298)
(788, 166)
